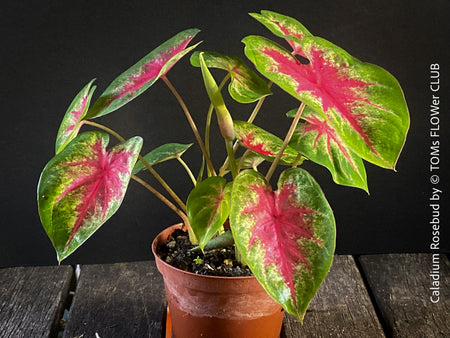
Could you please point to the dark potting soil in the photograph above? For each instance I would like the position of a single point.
(177, 252)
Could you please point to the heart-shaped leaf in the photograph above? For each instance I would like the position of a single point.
(163, 153)
(82, 187)
(245, 86)
(320, 143)
(208, 208)
(286, 237)
(285, 27)
(143, 74)
(362, 102)
(263, 142)
(73, 119)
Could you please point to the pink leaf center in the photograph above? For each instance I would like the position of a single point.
(328, 82)
(279, 225)
(98, 179)
(149, 71)
(76, 114)
(323, 129)
(250, 142)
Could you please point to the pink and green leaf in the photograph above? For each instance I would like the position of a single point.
(143, 74)
(287, 237)
(363, 103)
(263, 142)
(82, 187)
(73, 119)
(285, 27)
(319, 142)
(245, 86)
(208, 208)
(161, 154)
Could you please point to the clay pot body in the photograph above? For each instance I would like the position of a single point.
(209, 306)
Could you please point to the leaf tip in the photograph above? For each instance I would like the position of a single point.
(60, 257)
(194, 31)
(301, 316)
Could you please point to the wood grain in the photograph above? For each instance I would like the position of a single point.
(32, 300)
(118, 300)
(401, 285)
(128, 300)
(341, 308)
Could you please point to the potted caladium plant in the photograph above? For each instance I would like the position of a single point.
(348, 111)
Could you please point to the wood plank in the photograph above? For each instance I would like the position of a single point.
(341, 308)
(401, 286)
(118, 300)
(32, 300)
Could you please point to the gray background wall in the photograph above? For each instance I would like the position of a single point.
(51, 49)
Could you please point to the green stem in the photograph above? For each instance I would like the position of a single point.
(191, 123)
(209, 116)
(179, 212)
(146, 164)
(239, 257)
(297, 160)
(234, 170)
(258, 106)
(286, 141)
(241, 162)
(163, 183)
(202, 169)
(207, 143)
(208, 128)
(250, 120)
(222, 241)
(188, 170)
(108, 130)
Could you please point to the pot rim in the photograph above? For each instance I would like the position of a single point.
(181, 226)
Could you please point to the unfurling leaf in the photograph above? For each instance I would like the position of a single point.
(82, 187)
(223, 115)
(363, 103)
(319, 142)
(208, 208)
(263, 142)
(163, 153)
(287, 237)
(73, 119)
(245, 86)
(143, 74)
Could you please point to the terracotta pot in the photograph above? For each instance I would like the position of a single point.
(209, 306)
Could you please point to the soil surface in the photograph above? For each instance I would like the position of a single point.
(177, 251)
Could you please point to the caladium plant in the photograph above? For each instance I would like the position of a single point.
(348, 111)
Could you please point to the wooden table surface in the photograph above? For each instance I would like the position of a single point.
(364, 296)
